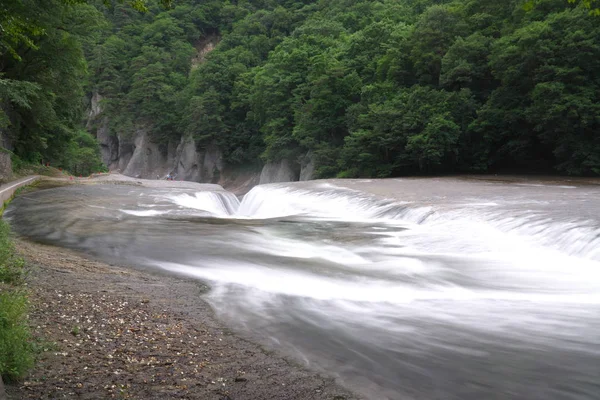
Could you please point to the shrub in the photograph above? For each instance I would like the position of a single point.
(11, 267)
(16, 351)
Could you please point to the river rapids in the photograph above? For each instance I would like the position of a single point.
(402, 289)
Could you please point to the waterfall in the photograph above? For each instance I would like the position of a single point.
(220, 204)
(326, 201)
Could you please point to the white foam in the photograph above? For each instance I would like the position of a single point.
(303, 284)
(466, 221)
(218, 203)
(144, 213)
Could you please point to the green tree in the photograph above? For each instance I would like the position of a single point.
(545, 114)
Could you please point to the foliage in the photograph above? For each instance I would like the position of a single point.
(592, 5)
(82, 156)
(42, 77)
(16, 352)
(386, 88)
(367, 88)
(11, 267)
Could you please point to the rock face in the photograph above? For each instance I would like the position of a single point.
(5, 160)
(198, 165)
(144, 159)
(307, 167)
(288, 171)
(5, 166)
(279, 171)
(2, 392)
(189, 161)
(109, 145)
(140, 157)
(95, 108)
(204, 46)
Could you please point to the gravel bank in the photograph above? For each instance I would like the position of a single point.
(111, 332)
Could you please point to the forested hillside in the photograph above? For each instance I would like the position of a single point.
(362, 88)
(42, 77)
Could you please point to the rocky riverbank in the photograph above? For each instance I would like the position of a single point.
(105, 331)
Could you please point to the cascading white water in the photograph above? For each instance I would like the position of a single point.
(276, 201)
(578, 238)
(450, 290)
(217, 203)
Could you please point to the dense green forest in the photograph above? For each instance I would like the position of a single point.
(42, 77)
(367, 88)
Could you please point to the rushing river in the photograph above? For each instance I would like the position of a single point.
(453, 289)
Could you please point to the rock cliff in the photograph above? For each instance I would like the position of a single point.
(289, 171)
(5, 160)
(140, 157)
(279, 171)
(5, 166)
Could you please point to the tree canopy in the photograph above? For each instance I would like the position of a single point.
(367, 88)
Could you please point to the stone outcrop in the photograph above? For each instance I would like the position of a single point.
(212, 164)
(204, 46)
(2, 392)
(140, 157)
(109, 145)
(307, 167)
(289, 171)
(198, 165)
(95, 108)
(144, 159)
(5, 166)
(188, 162)
(5, 160)
(279, 171)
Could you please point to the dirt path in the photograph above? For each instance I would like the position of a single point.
(110, 332)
